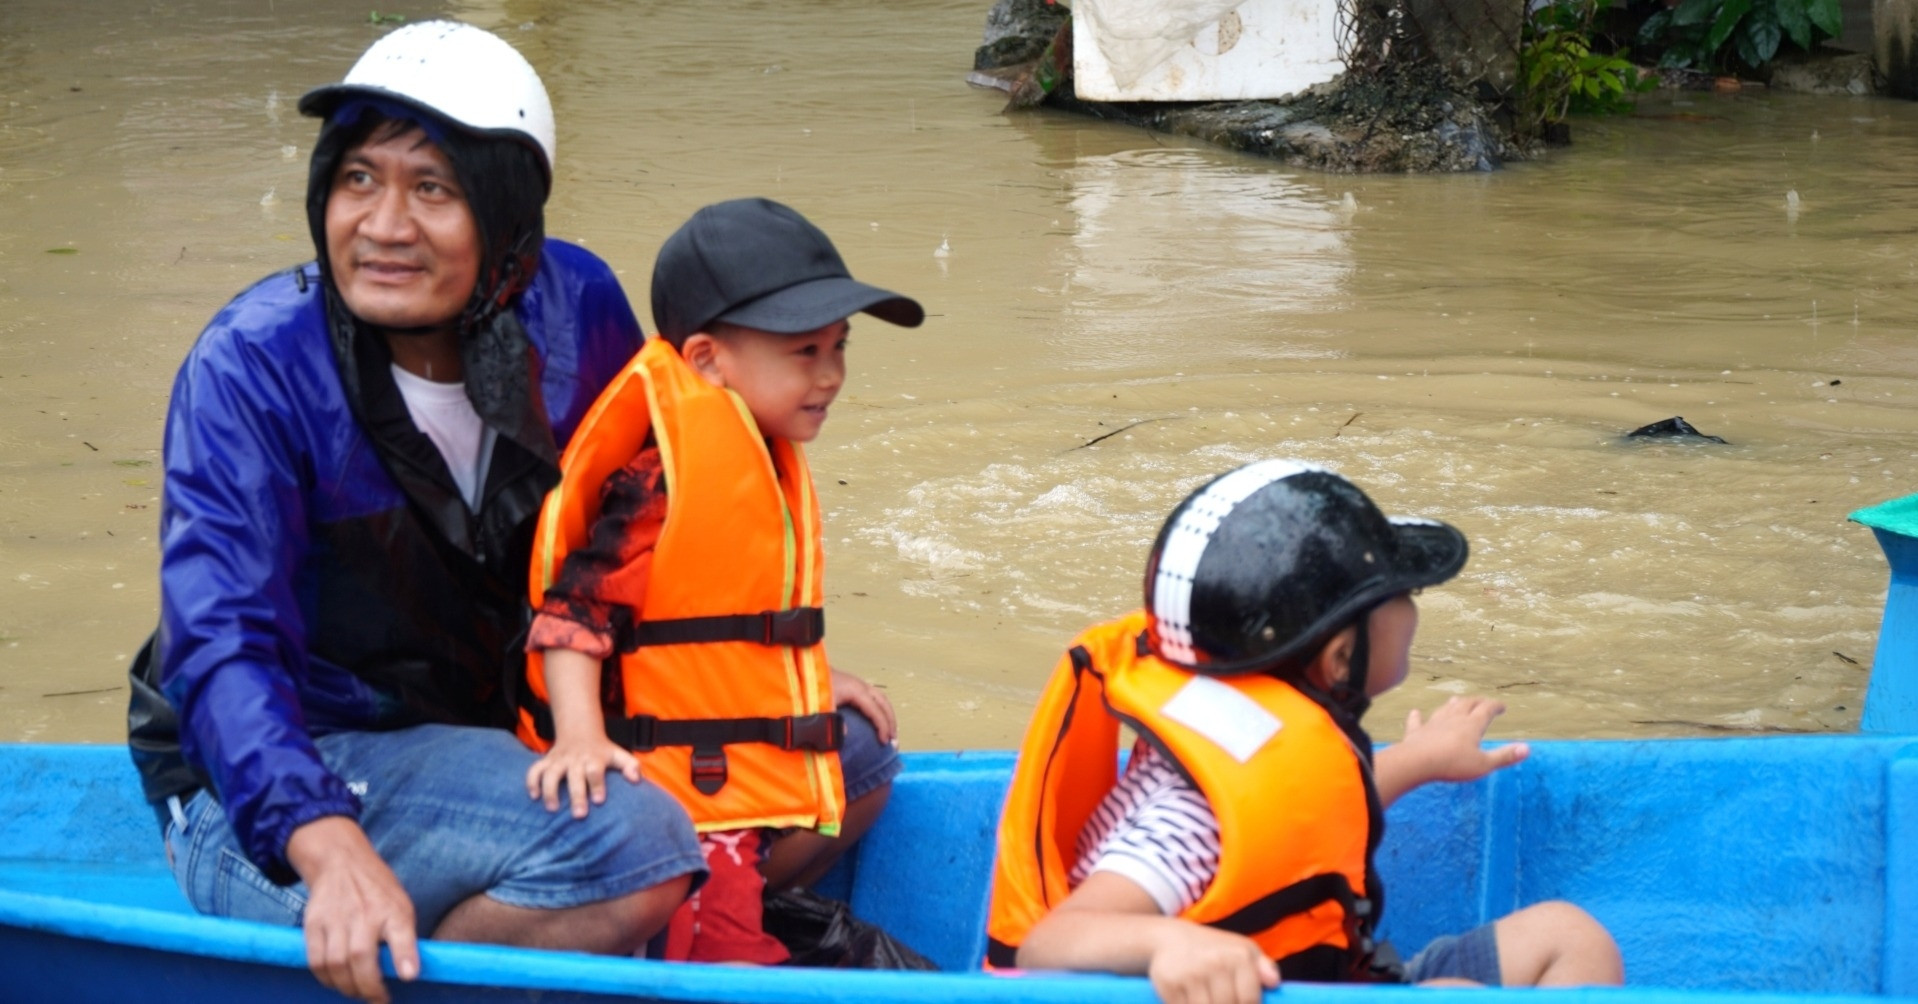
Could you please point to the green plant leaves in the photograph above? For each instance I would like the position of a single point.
(1792, 17)
(1765, 37)
(1560, 72)
(1654, 27)
(1728, 18)
(1711, 34)
(1694, 12)
(1825, 14)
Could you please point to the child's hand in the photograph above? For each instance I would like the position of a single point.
(870, 700)
(1194, 964)
(1445, 748)
(581, 763)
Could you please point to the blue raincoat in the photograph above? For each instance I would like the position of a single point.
(311, 582)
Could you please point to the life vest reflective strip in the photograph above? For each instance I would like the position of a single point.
(1301, 897)
(725, 693)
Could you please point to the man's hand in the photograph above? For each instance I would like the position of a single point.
(1447, 747)
(870, 700)
(354, 904)
(581, 762)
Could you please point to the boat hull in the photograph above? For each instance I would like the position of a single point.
(1734, 869)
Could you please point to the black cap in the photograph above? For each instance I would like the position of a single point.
(759, 264)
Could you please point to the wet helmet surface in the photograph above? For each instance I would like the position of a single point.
(466, 75)
(1257, 568)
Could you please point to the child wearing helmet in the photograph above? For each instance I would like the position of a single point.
(1237, 845)
(677, 575)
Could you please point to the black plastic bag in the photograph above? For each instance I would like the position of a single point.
(823, 932)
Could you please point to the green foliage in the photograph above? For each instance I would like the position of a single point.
(1561, 73)
(378, 18)
(1718, 35)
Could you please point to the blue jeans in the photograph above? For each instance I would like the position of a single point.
(865, 763)
(446, 807)
(1469, 956)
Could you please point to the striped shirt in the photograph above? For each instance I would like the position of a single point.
(1155, 829)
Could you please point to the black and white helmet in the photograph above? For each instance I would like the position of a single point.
(1263, 564)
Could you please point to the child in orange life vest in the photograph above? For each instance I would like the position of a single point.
(1237, 846)
(677, 577)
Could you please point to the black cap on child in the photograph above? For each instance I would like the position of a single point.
(759, 264)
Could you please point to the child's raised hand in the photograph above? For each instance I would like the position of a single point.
(1194, 964)
(1445, 747)
(581, 764)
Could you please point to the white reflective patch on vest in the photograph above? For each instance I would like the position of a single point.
(1216, 711)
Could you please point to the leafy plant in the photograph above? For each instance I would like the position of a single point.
(1560, 71)
(378, 18)
(1711, 34)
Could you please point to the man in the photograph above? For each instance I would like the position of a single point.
(356, 451)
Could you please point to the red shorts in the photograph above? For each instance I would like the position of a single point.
(722, 922)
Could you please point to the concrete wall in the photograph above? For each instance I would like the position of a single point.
(1473, 39)
(1856, 34)
(1894, 23)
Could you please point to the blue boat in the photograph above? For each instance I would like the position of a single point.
(1731, 870)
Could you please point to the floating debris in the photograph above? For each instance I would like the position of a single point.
(1123, 428)
(1674, 427)
(81, 693)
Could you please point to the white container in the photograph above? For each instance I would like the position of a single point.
(1202, 50)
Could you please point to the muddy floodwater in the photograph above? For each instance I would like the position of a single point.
(1115, 317)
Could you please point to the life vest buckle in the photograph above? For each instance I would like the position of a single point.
(821, 733)
(709, 769)
(799, 627)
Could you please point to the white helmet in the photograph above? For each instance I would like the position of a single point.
(467, 75)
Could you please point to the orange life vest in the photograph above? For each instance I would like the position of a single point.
(724, 691)
(1298, 816)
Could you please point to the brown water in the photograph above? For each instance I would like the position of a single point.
(1463, 347)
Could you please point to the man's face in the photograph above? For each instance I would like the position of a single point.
(404, 248)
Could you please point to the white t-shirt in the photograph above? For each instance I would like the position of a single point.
(446, 415)
(1155, 829)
